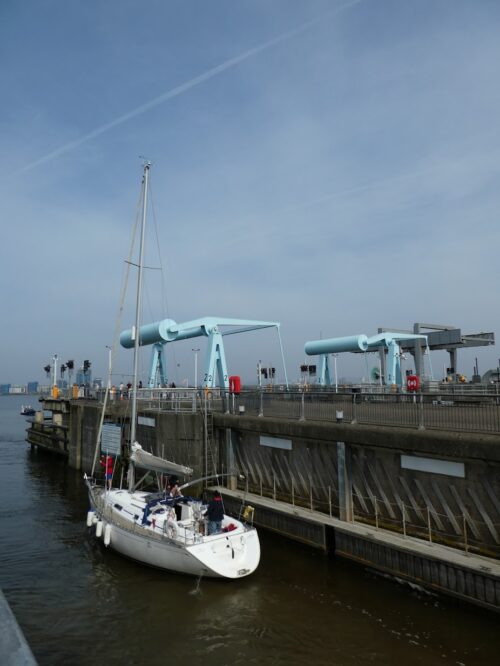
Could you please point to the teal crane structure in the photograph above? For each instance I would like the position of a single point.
(388, 341)
(161, 333)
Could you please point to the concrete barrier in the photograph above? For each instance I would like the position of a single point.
(14, 650)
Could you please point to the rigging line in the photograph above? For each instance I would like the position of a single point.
(165, 304)
(165, 309)
(116, 335)
(192, 83)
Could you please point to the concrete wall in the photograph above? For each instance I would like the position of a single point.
(463, 512)
(176, 436)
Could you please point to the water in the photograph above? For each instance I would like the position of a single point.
(79, 603)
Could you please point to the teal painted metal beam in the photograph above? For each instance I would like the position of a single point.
(361, 343)
(166, 331)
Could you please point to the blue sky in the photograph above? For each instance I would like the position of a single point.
(330, 165)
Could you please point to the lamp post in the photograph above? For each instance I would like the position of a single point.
(196, 350)
(109, 365)
(55, 374)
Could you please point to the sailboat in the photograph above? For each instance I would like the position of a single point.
(154, 528)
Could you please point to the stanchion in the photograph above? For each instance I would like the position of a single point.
(466, 545)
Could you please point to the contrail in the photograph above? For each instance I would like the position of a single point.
(184, 87)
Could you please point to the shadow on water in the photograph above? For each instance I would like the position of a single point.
(81, 603)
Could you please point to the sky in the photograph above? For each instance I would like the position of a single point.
(331, 165)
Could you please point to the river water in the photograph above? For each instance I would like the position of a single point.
(78, 603)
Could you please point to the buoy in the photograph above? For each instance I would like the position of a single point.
(98, 528)
(107, 535)
(248, 513)
(90, 518)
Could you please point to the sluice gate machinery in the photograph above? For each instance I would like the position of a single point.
(167, 331)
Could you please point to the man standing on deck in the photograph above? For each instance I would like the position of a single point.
(215, 513)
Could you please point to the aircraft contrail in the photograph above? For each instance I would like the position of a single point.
(184, 87)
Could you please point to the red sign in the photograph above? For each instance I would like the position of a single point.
(413, 382)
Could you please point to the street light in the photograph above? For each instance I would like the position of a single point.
(110, 349)
(54, 390)
(335, 364)
(196, 350)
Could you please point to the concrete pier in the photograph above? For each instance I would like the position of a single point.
(420, 504)
(445, 570)
(14, 650)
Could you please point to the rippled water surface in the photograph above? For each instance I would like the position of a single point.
(78, 603)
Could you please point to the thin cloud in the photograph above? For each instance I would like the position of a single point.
(188, 85)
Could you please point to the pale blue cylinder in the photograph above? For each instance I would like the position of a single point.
(351, 343)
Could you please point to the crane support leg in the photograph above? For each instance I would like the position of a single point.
(216, 367)
(157, 376)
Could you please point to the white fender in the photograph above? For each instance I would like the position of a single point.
(107, 535)
(172, 528)
(90, 518)
(98, 528)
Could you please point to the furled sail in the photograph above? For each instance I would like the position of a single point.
(146, 460)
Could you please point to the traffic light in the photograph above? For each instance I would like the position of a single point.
(304, 368)
(264, 372)
(63, 370)
(86, 365)
(273, 371)
(70, 365)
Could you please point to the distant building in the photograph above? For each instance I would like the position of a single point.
(18, 390)
(4, 389)
(83, 377)
(32, 387)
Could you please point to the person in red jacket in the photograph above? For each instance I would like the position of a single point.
(108, 463)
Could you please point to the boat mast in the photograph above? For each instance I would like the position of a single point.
(133, 419)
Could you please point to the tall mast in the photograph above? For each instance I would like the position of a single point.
(133, 426)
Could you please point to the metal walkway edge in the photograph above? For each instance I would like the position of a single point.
(473, 578)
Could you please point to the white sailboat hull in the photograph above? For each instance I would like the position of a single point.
(168, 545)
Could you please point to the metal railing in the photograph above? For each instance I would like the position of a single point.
(444, 410)
(462, 531)
(472, 412)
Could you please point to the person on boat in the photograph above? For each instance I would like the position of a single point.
(175, 491)
(108, 464)
(215, 513)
